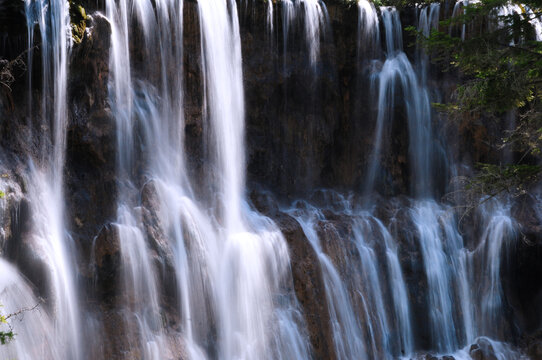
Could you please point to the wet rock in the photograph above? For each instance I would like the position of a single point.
(91, 142)
(107, 261)
(534, 346)
(265, 202)
(308, 286)
(406, 235)
(152, 221)
(433, 357)
(157, 239)
(11, 197)
(21, 248)
(430, 357)
(193, 96)
(522, 268)
(482, 350)
(336, 239)
(118, 342)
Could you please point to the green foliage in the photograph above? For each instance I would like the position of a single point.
(78, 18)
(499, 63)
(401, 3)
(513, 180)
(5, 336)
(8, 334)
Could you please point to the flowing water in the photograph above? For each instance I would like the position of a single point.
(312, 13)
(252, 259)
(399, 280)
(49, 238)
(32, 326)
(397, 76)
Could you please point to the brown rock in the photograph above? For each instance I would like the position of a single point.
(309, 287)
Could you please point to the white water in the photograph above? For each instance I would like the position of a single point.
(347, 335)
(34, 340)
(313, 15)
(397, 76)
(499, 232)
(382, 327)
(236, 260)
(49, 237)
(427, 22)
(368, 28)
(378, 327)
(156, 104)
(425, 216)
(252, 256)
(401, 319)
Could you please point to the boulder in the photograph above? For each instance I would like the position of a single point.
(107, 262)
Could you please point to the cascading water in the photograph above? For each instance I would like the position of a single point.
(140, 285)
(364, 320)
(241, 265)
(368, 29)
(46, 192)
(505, 10)
(397, 74)
(34, 338)
(313, 13)
(347, 335)
(448, 265)
(252, 259)
(428, 21)
(499, 231)
(425, 216)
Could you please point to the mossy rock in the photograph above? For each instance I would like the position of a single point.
(78, 18)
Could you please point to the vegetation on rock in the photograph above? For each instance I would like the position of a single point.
(6, 335)
(78, 18)
(499, 60)
(6, 330)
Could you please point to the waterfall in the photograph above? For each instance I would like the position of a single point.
(499, 231)
(398, 74)
(364, 319)
(428, 21)
(507, 9)
(269, 19)
(34, 340)
(154, 104)
(425, 216)
(221, 50)
(347, 334)
(313, 14)
(368, 29)
(401, 305)
(46, 190)
(252, 256)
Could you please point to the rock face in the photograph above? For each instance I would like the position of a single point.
(107, 260)
(523, 269)
(91, 141)
(308, 285)
(482, 350)
(307, 277)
